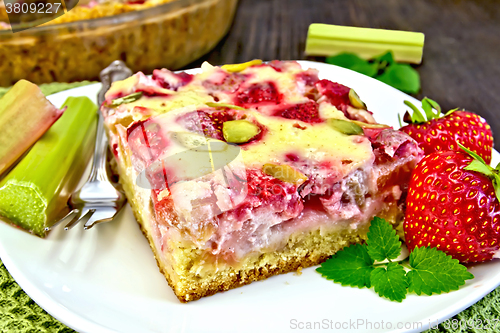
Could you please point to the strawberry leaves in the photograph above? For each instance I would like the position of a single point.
(430, 271)
(428, 105)
(416, 117)
(479, 165)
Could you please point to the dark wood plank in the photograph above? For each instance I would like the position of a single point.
(461, 54)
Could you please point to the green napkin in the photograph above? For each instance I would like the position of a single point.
(52, 88)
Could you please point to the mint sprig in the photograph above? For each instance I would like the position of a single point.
(383, 68)
(427, 271)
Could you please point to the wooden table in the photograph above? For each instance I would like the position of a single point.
(461, 63)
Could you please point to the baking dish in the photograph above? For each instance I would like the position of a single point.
(170, 35)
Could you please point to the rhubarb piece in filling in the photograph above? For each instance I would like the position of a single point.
(236, 175)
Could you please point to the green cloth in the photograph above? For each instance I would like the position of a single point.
(52, 88)
(18, 313)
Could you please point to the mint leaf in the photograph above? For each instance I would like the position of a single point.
(384, 60)
(399, 76)
(391, 282)
(402, 77)
(434, 272)
(349, 267)
(383, 243)
(388, 57)
(353, 62)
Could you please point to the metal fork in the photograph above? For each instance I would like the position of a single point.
(99, 200)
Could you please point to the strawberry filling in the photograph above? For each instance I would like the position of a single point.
(228, 228)
(277, 65)
(336, 93)
(267, 191)
(222, 81)
(146, 142)
(264, 93)
(207, 122)
(171, 81)
(308, 78)
(307, 112)
(267, 202)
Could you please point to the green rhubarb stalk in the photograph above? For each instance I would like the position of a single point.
(25, 114)
(327, 40)
(34, 194)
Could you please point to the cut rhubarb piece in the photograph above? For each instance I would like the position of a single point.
(25, 114)
(327, 40)
(240, 67)
(34, 194)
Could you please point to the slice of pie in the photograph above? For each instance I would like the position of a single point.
(246, 171)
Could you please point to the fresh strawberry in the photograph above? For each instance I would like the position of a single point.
(307, 112)
(453, 205)
(258, 93)
(443, 132)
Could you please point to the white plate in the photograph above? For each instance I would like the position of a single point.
(106, 279)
